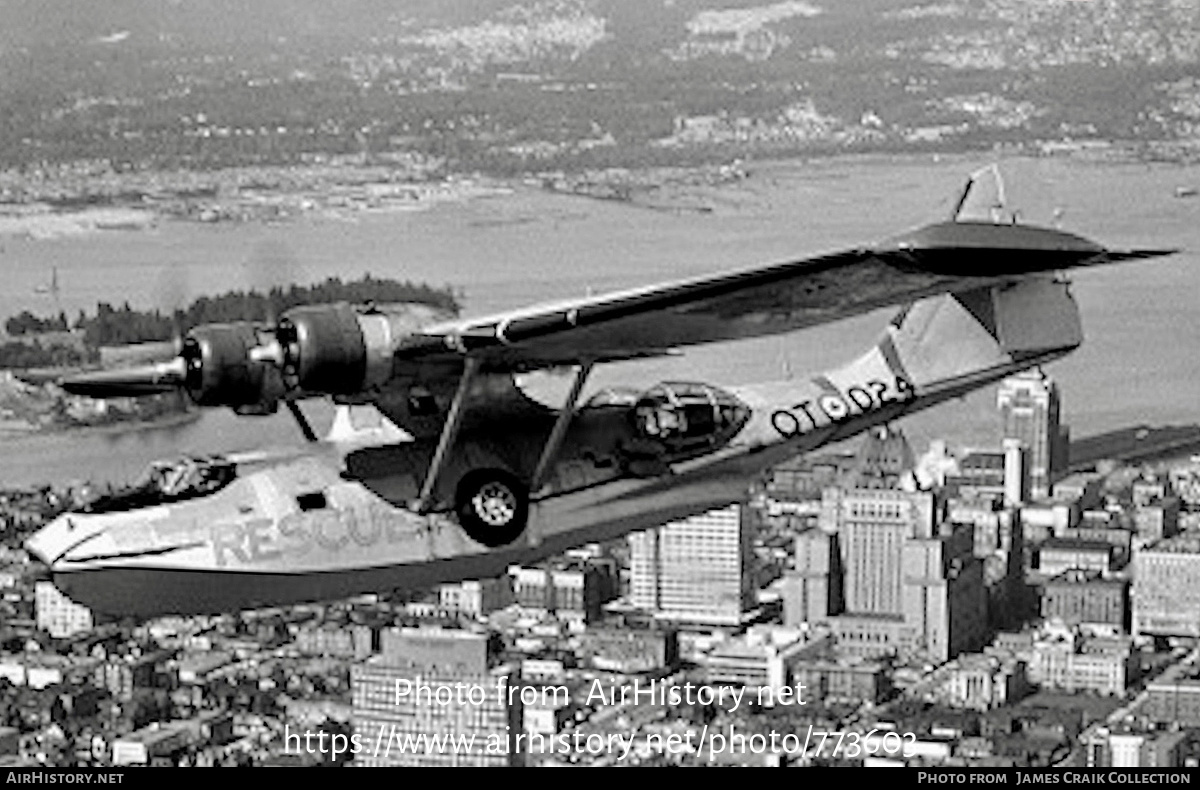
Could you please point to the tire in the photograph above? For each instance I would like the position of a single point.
(492, 507)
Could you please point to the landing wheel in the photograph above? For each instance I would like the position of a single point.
(492, 507)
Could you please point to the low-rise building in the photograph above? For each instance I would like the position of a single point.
(1157, 519)
(1107, 747)
(1071, 663)
(829, 675)
(984, 682)
(1080, 597)
(574, 593)
(195, 667)
(629, 650)
(119, 676)
(1058, 555)
(754, 660)
(152, 745)
(1166, 588)
(476, 597)
(1145, 491)
(342, 641)
(1173, 701)
(1081, 488)
(1043, 520)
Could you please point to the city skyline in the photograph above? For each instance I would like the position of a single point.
(878, 576)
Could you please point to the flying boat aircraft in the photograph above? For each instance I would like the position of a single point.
(487, 477)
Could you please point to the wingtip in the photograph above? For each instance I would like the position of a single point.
(1114, 256)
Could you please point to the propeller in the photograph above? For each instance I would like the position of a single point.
(155, 379)
(249, 366)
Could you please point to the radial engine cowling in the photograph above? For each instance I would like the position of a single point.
(220, 372)
(336, 350)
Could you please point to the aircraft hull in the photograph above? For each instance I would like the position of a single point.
(211, 581)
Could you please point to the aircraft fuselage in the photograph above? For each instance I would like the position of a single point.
(322, 526)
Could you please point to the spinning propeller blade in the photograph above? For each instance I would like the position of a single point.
(130, 382)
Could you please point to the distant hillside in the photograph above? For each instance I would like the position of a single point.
(517, 87)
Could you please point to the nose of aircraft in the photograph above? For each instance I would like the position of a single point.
(52, 541)
(49, 545)
(39, 550)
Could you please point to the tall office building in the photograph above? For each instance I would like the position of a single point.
(430, 698)
(944, 596)
(1029, 405)
(1016, 473)
(812, 591)
(872, 527)
(911, 582)
(698, 570)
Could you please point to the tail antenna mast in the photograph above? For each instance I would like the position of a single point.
(1000, 203)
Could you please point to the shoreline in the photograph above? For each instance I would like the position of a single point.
(40, 221)
(88, 431)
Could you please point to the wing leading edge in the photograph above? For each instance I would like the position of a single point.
(766, 300)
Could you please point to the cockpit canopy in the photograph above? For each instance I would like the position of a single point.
(687, 415)
(610, 397)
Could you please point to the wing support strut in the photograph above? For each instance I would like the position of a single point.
(559, 432)
(449, 434)
(305, 426)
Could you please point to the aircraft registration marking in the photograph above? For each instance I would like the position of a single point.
(828, 409)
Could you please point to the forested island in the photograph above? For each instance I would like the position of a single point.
(37, 342)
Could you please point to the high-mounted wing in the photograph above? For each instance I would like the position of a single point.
(761, 301)
(355, 353)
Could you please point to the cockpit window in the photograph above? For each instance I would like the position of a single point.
(688, 413)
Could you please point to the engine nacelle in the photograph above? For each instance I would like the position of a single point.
(337, 350)
(218, 370)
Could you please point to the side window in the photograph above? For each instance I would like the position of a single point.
(312, 501)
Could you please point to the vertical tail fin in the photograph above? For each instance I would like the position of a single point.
(954, 340)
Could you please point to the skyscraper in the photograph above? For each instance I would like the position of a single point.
(430, 698)
(1029, 405)
(910, 582)
(697, 570)
(944, 596)
(813, 590)
(873, 526)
